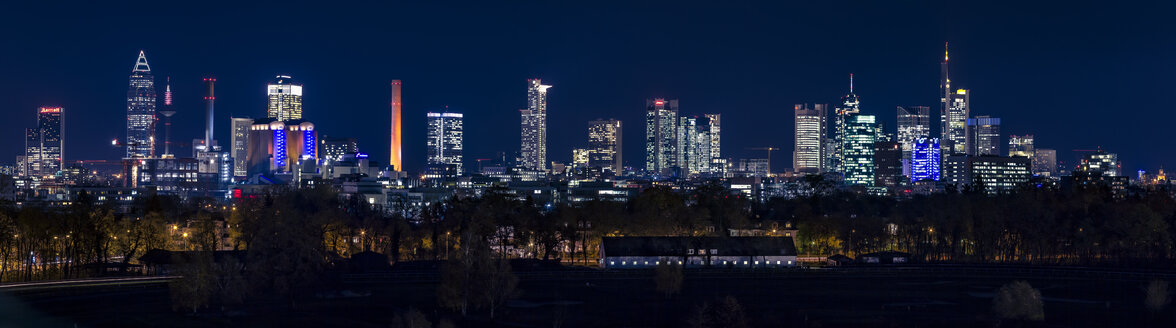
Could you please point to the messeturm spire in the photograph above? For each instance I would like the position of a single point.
(141, 64)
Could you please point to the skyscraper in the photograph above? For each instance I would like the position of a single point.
(395, 151)
(811, 124)
(983, 136)
(718, 164)
(1021, 145)
(913, 122)
(534, 123)
(661, 135)
(694, 141)
(888, 164)
(861, 131)
(1101, 163)
(954, 112)
(1045, 162)
(31, 164)
(850, 106)
(141, 111)
(925, 159)
(285, 99)
(44, 144)
(443, 140)
(240, 145)
(604, 145)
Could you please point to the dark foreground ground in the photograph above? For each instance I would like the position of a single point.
(913, 297)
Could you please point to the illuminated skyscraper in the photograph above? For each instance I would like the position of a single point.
(443, 140)
(604, 145)
(1021, 145)
(44, 145)
(694, 142)
(811, 124)
(861, 132)
(913, 122)
(1101, 162)
(285, 99)
(954, 112)
(395, 151)
(925, 159)
(888, 164)
(534, 124)
(661, 135)
(983, 136)
(141, 111)
(240, 144)
(850, 106)
(718, 164)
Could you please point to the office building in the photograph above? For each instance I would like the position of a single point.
(285, 99)
(44, 145)
(953, 110)
(604, 145)
(1045, 162)
(1102, 162)
(925, 160)
(888, 164)
(996, 174)
(443, 140)
(861, 132)
(661, 136)
(1021, 145)
(913, 122)
(140, 140)
(533, 154)
(850, 106)
(334, 149)
(718, 164)
(395, 151)
(808, 153)
(983, 136)
(239, 148)
(694, 142)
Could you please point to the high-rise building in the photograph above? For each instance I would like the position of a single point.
(285, 99)
(850, 106)
(140, 141)
(534, 123)
(808, 153)
(913, 122)
(888, 164)
(955, 123)
(581, 157)
(604, 145)
(1021, 145)
(925, 159)
(51, 135)
(983, 136)
(861, 132)
(661, 136)
(995, 174)
(694, 141)
(1101, 162)
(395, 151)
(1045, 162)
(718, 163)
(443, 140)
(32, 158)
(240, 145)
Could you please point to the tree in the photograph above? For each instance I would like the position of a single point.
(500, 285)
(1018, 301)
(473, 278)
(194, 287)
(668, 278)
(1157, 295)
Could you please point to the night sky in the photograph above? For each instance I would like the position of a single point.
(1077, 75)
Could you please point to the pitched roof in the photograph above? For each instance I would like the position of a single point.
(678, 246)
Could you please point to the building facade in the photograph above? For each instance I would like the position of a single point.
(1021, 146)
(334, 149)
(443, 140)
(1045, 162)
(808, 154)
(280, 147)
(533, 154)
(605, 145)
(140, 142)
(888, 164)
(1101, 162)
(661, 136)
(44, 145)
(925, 160)
(239, 148)
(913, 122)
(995, 174)
(285, 99)
(861, 132)
(850, 106)
(983, 136)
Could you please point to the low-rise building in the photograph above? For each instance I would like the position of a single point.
(734, 252)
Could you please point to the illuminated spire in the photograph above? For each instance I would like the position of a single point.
(850, 82)
(141, 64)
(167, 96)
(945, 52)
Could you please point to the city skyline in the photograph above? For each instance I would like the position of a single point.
(971, 54)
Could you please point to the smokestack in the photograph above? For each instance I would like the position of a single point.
(209, 99)
(395, 152)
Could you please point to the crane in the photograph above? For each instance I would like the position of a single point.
(769, 149)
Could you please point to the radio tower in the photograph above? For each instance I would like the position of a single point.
(167, 112)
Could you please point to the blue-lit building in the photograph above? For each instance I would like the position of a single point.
(925, 159)
(280, 146)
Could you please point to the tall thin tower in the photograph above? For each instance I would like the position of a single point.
(534, 127)
(167, 113)
(209, 110)
(395, 151)
(141, 110)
